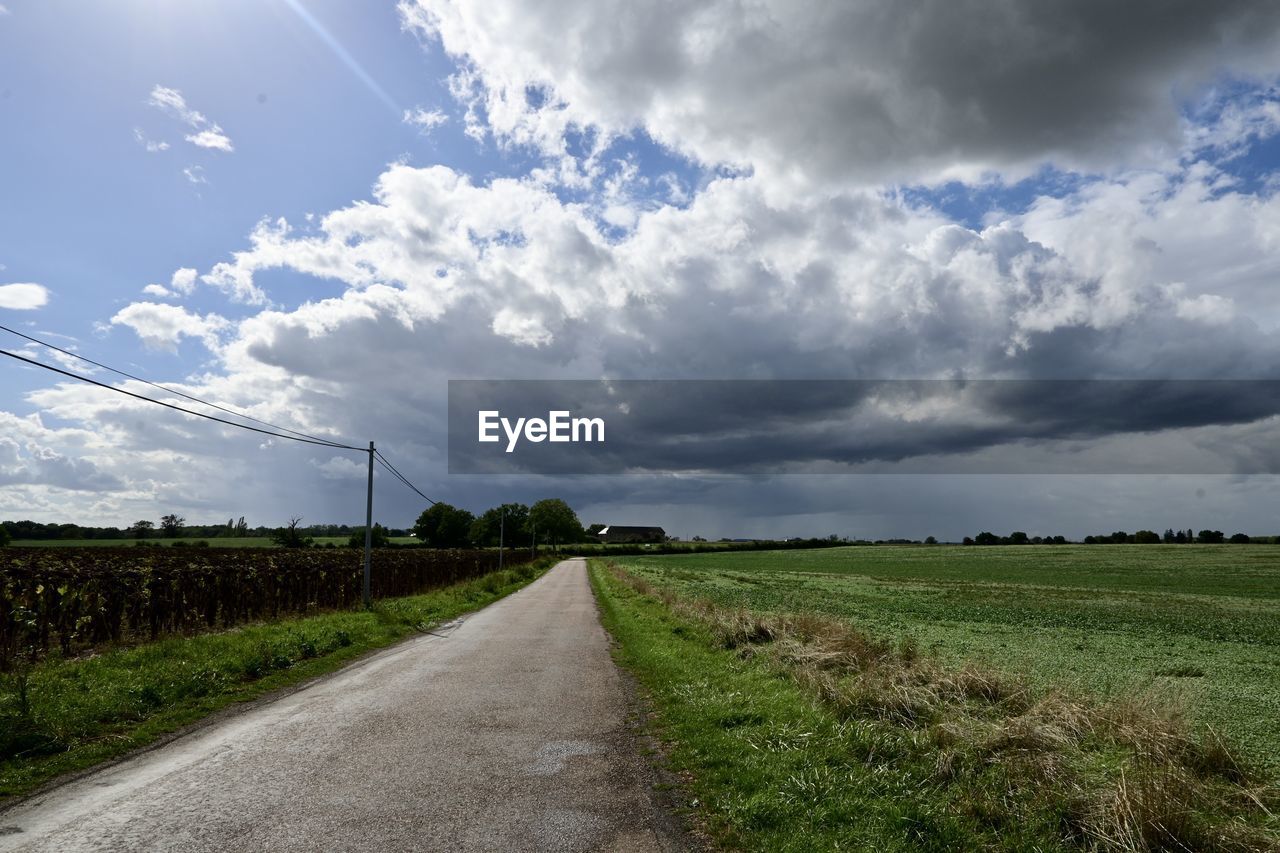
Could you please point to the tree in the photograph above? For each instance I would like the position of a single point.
(1146, 537)
(555, 522)
(380, 538)
(444, 526)
(929, 540)
(171, 525)
(1017, 537)
(986, 538)
(141, 529)
(490, 526)
(290, 536)
(1168, 536)
(4, 537)
(1240, 538)
(242, 529)
(1212, 537)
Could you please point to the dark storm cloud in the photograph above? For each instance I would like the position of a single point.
(879, 91)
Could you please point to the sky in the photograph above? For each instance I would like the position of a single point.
(320, 212)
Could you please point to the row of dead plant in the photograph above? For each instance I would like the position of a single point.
(1129, 773)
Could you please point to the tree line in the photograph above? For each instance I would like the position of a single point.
(550, 521)
(1121, 537)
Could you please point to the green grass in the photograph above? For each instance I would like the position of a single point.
(214, 542)
(803, 734)
(86, 710)
(1198, 623)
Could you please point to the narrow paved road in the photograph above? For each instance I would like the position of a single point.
(511, 733)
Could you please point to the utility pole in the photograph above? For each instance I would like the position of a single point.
(502, 526)
(368, 531)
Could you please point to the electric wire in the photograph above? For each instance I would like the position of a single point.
(401, 477)
(283, 432)
(195, 399)
(40, 364)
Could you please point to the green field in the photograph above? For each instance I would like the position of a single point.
(215, 542)
(1198, 623)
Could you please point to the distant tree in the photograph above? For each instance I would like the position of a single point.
(1017, 537)
(291, 536)
(1058, 540)
(1091, 540)
(380, 538)
(1146, 537)
(1191, 536)
(242, 529)
(444, 526)
(171, 525)
(593, 529)
(1240, 538)
(929, 540)
(1210, 537)
(968, 540)
(986, 538)
(490, 526)
(555, 522)
(141, 529)
(4, 536)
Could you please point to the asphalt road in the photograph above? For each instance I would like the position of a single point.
(511, 732)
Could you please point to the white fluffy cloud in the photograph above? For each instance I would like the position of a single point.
(23, 296)
(163, 326)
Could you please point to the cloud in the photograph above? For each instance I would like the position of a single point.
(171, 102)
(342, 468)
(4, 10)
(152, 146)
(802, 91)
(183, 280)
(195, 174)
(182, 283)
(206, 134)
(23, 296)
(27, 459)
(425, 120)
(163, 326)
(803, 261)
(212, 138)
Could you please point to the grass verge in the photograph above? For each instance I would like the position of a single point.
(67, 715)
(798, 732)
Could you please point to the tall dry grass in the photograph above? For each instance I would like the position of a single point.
(1125, 774)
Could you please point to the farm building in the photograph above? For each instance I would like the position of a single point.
(620, 533)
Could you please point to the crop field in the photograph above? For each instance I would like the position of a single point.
(214, 542)
(1195, 625)
(73, 599)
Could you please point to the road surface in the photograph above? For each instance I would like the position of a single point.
(511, 732)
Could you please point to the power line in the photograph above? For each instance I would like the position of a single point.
(313, 438)
(40, 364)
(283, 432)
(401, 477)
